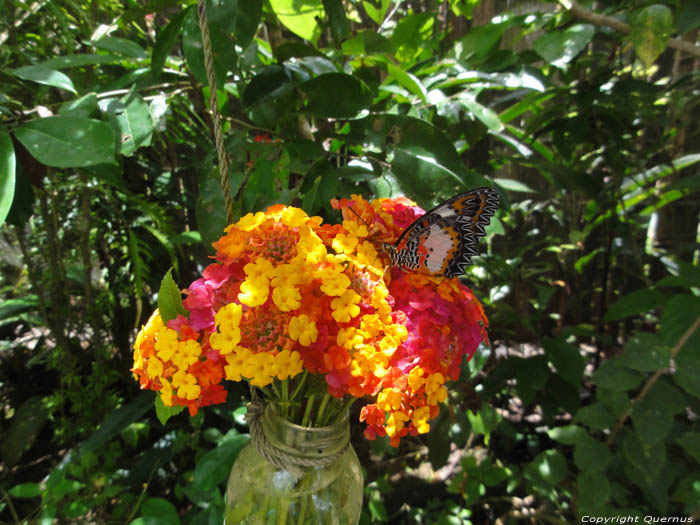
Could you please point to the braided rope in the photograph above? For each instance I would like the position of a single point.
(214, 106)
(295, 465)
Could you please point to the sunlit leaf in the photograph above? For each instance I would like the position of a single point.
(44, 75)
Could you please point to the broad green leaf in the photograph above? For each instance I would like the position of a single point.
(613, 375)
(118, 420)
(68, 142)
(596, 416)
(408, 81)
(486, 115)
(479, 41)
(549, 466)
(679, 315)
(646, 352)
(25, 490)
(690, 441)
(591, 455)
(337, 95)
(566, 358)
(652, 419)
(412, 37)
(531, 375)
(299, 16)
(376, 9)
(561, 47)
(121, 45)
(688, 370)
(634, 303)
(368, 43)
(214, 467)
(210, 210)
(83, 59)
(688, 17)
(337, 20)
(514, 185)
(170, 298)
(7, 174)
(44, 75)
(649, 460)
(80, 107)
(650, 29)
(567, 435)
(165, 40)
(616, 401)
(592, 491)
(10, 308)
(272, 82)
(160, 510)
(164, 412)
(131, 122)
(23, 429)
(221, 15)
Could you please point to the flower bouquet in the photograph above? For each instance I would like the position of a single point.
(314, 318)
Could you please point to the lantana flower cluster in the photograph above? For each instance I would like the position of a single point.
(289, 297)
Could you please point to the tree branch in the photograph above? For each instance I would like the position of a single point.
(604, 20)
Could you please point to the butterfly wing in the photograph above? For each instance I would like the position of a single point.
(443, 241)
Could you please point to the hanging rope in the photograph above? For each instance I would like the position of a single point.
(214, 106)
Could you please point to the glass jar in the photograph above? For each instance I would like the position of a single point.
(259, 492)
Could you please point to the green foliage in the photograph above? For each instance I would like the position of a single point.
(109, 176)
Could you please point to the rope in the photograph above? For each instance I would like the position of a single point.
(214, 106)
(295, 465)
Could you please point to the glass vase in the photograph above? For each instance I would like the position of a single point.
(258, 492)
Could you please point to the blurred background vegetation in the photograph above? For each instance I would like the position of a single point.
(585, 117)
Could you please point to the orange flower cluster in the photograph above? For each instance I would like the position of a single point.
(290, 295)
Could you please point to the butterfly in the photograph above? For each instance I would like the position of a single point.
(443, 241)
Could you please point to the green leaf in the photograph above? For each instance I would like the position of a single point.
(23, 429)
(679, 314)
(337, 20)
(165, 40)
(272, 82)
(514, 185)
(7, 174)
(649, 461)
(221, 16)
(590, 455)
(408, 81)
(131, 122)
(688, 17)
(650, 29)
(635, 303)
(597, 416)
(299, 16)
(613, 375)
(83, 59)
(592, 491)
(214, 467)
(159, 510)
(121, 45)
(25, 490)
(118, 420)
(80, 107)
(479, 41)
(652, 419)
(646, 352)
(690, 441)
(567, 435)
(531, 375)
(169, 298)
(210, 209)
(164, 412)
(376, 9)
(68, 142)
(616, 401)
(566, 358)
(412, 36)
(486, 115)
(561, 47)
(44, 75)
(549, 466)
(337, 95)
(368, 43)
